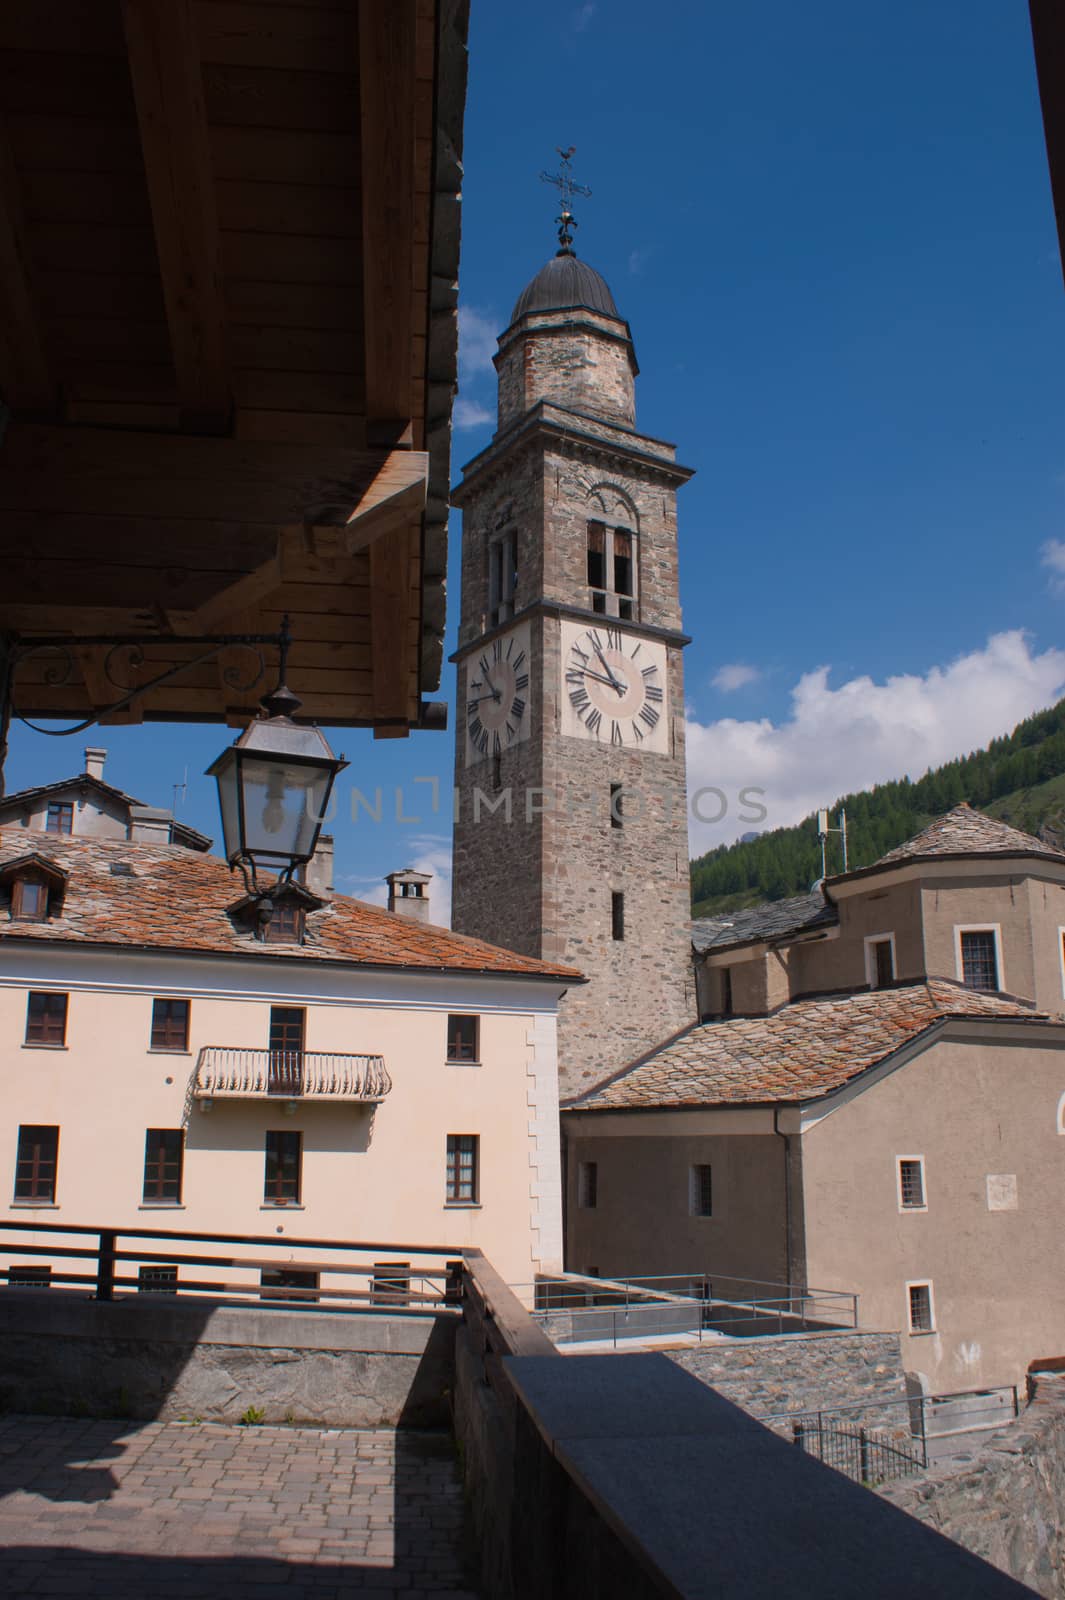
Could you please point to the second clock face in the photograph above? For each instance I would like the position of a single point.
(615, 688)
(498, 695)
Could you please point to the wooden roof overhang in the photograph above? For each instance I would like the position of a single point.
(1048, 38)
(228, 262)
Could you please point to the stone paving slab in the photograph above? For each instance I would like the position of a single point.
(184, 1510)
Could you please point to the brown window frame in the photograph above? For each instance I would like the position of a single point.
(701, 1189)
(33, 1185)
(974, 967)
(279, 1187)
(458, 1047)
(921, 1307)
(19, 913)
(460, 1191)
(42, 1029)
(883, 979)
(156, 1278)
(164, 1166)
(169, 1035)
(912, 1196)
(59, 811)
(288, 922)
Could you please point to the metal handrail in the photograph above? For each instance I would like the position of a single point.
(226, 1071)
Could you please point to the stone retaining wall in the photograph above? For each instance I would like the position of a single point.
(804, 1372)
(64, 1354)
(1006, 1502)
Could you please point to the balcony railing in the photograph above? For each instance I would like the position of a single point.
(224, 1073)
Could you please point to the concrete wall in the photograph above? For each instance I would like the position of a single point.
(975, 1107)
(1005, 1503)
(642, 1226)
(803, 1372)
(367, 1173)
(62, 1353)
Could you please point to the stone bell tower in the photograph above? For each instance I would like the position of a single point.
(571, 822)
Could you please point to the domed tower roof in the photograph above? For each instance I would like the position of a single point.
(565, 282)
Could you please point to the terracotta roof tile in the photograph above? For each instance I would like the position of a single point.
(803, 1051)
(177, 899)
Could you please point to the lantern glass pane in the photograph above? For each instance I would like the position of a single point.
(282, 805)
(227, 773)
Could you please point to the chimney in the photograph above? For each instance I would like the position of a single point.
(94, 763)
(406, 893)
(150, 824)
(318, 873)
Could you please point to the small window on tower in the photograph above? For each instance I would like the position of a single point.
(617, 815)
(596, 556)
(617, 916)
(502, 578)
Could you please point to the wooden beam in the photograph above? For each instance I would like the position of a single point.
(25, 379)
(164, 64)
(387, 106)
(390, 604)
(90, 471)
(396, 495)
(1048, 37)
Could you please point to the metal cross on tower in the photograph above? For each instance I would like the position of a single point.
(564, 183)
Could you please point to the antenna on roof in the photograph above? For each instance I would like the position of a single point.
(180, 790)
(823, 831)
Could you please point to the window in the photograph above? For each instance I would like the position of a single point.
(157, 1279)
(164, 1159)
(26, 1277)
(60, 817)
(700, 1191)
(286, 924)
(286, 1283)
(588, 1185)
(284, 1163)
(922, 1319)
(287, 1029)
(612, 570)
(46, 1019)
(170, 1025)
(462, 1038)
(911, 1183)
(617, 916)
(463, 1160)
(726, 991)
(35, 1164)
(880, 960)
(979, 957)
(29, 900)
(390, 1285)
(502, 578)
(617, 799)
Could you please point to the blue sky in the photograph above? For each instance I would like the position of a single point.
(831, 231)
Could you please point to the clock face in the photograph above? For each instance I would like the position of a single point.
(498, 695)
(615, 688)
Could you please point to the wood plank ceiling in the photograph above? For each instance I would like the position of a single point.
(228, 260)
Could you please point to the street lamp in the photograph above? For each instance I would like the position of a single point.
(274, 785)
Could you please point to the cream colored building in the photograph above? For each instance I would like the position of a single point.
(885, 1121)
(357, 1075)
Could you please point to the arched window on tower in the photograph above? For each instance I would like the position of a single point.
(502, 578)
(612, 568)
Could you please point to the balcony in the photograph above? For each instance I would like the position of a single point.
(223, 1073)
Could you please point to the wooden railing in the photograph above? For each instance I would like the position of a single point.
(227, 1073)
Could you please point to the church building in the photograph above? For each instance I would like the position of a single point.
(571, 842)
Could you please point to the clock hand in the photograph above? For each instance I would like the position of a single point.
(614, 683)
(493, 696)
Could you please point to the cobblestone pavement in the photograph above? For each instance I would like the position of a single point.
(111, 1509)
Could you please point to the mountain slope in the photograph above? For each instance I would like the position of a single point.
(1020, 778)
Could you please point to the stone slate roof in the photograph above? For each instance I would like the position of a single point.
(177, 899)
(800, 1052)
(965, 832)
(770, 920)
(13, 804)
(562, 283)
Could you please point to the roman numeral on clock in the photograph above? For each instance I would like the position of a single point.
(517, 709)
(653, 692)
(649, 715)
(615, 733)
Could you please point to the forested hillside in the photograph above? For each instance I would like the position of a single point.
(1020, 777)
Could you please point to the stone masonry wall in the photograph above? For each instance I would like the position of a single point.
(577, 359)
(804, 1372)
(1006, 1502)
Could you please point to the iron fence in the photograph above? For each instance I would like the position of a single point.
(864, 1454)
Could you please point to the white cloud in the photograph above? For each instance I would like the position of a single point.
(477, 341)
(734, 675)
(582, 17)
(637, 261)
(1052, 555)
(430, 852)
(840, 740)
(469, 414)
